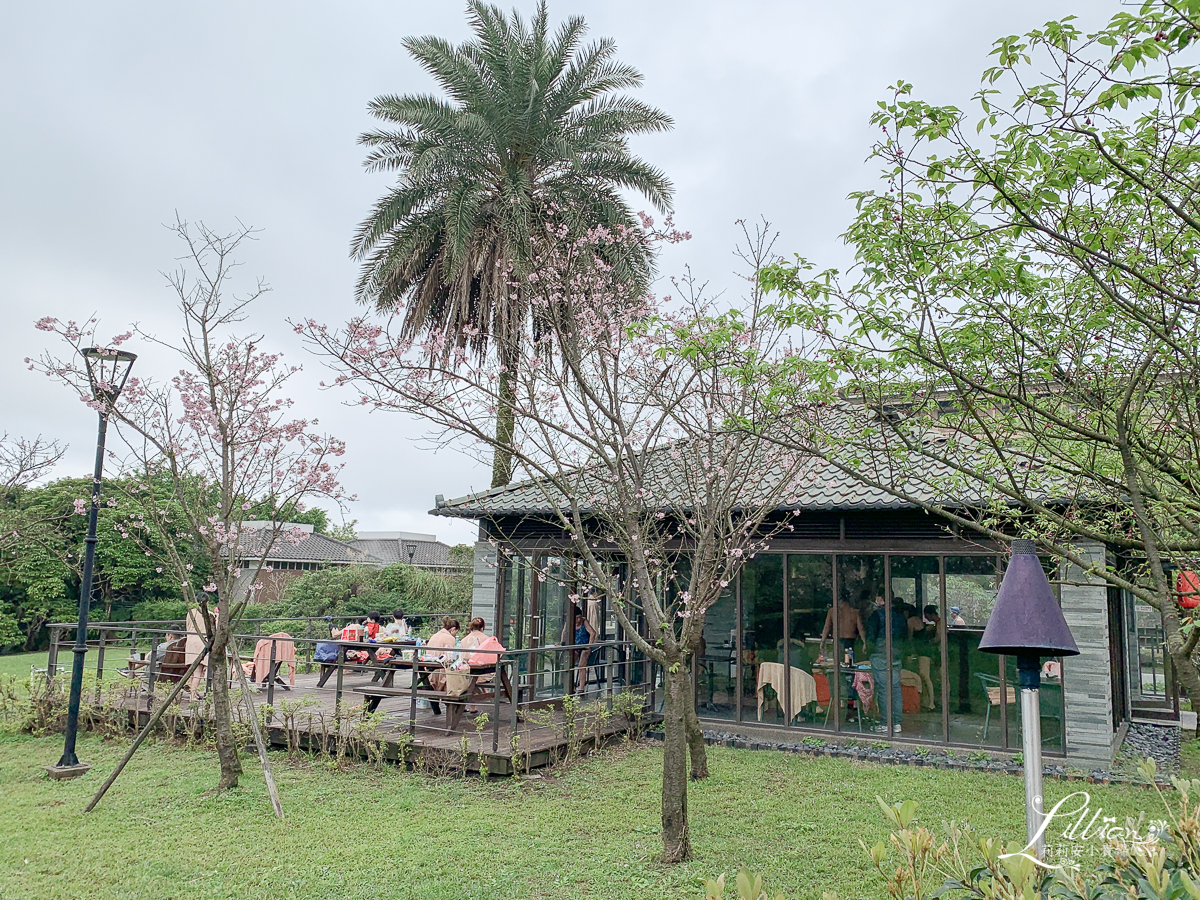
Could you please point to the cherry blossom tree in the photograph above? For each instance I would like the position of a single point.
(220, 435)
(633, 423)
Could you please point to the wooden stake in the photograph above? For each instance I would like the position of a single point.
(258, 737)
(146, 731)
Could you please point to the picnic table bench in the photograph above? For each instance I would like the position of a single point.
(455, 703)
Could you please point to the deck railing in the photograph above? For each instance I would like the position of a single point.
(571, 689)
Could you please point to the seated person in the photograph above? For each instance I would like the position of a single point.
(446, 637)
(475, 634)
(398, 627)
(172, 636)
(372, 625)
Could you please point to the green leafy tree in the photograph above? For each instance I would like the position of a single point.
(1022, 325)
(356, 590)
(533, 132)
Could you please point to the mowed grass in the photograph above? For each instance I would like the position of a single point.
(18, 664)
(587, 831)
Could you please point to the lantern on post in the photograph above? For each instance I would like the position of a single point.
(1026, 622)
(108, 370)
(412, 551)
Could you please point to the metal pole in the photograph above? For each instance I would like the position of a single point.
(69, 765)
(1029, 678)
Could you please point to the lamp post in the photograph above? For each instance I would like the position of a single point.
(1026, 622)
(412, 551)
(108, 370)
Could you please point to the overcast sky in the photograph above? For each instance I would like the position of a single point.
(117, 115)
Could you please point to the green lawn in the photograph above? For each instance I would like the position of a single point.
(18, 663)
(590, 832)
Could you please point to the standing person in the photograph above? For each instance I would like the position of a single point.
(891, 702)
(850, 626)
(929, 645)
(579, 632)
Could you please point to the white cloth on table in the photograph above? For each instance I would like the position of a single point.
(804, 686)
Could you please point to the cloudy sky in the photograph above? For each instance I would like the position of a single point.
(116, 116)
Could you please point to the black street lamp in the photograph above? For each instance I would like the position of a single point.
(412, 551)
(1027, 622)
(108, 370)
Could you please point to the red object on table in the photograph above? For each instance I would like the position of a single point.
(1187, 585)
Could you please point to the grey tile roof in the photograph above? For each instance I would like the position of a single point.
(429, 554)
(316, 548)
(820, 485)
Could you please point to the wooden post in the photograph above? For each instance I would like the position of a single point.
(258, 736)
(152, 673)
(146, 731)
(337, 697)
(100, 663)
(271, 680)
(52, 660)
(412, 705)
(497, 687)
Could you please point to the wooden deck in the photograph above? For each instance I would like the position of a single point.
(538, 735)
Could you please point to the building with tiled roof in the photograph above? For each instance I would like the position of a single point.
(828, 590)
(424, 551)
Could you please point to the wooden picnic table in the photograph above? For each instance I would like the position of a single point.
(423, 688)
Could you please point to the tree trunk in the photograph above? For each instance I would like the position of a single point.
(677, 844)
(227, 752)
(697, 749)
(505, 427)
(1185, 666)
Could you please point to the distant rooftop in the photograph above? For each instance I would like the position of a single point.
(395, 536)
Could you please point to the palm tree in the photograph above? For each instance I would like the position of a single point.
(534, 131)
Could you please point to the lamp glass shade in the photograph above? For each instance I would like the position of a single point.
(1026, 619)
(108, 370)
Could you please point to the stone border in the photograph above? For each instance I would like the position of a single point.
(902, 756)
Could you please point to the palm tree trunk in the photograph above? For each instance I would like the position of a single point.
(505, 426)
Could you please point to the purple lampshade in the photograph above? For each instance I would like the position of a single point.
(1026, 619)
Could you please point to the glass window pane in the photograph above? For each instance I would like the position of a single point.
(515, 604)
(1147, 654)
(810, 605)
(916, 595)
(716, 669)
(860, 584)
(762, 639)
(976, 695)
(1050, 700)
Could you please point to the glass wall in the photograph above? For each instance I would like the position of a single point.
(514, 612)
(916, 597)
(864, 670)
(1147, 655)
(763, 662)
(810, 613)
(716, 669)
(980, 701)
(884, 643)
